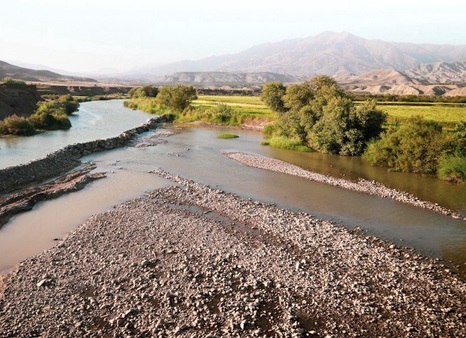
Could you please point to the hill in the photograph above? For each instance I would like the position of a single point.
(18, 99)
(440, 78)
(32, 75)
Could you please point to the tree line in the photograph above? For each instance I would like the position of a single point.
(318, 115)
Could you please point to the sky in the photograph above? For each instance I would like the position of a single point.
(97, 36)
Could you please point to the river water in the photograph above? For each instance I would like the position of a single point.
(197, 153)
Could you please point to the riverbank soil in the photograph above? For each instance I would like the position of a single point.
(189, 260)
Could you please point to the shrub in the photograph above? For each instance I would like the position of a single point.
(222, 113)
(16, 125)
(11, 81)
(452, 168)
(414, 146)
(69, 103)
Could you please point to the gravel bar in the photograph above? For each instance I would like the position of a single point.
(189, 260)
(369, 187)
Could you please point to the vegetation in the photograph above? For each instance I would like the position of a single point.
(446, 114)
(317, 115)
(321, 116)
(145, 91)
(167, 99)
(177, 97)
(421, 146)
(272, 95)
(49, 115)
(16, 125)
(11, 81)
(227, 136)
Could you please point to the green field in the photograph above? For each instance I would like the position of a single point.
(250, 106)
(446, 114)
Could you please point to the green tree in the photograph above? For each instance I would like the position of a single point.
(324, 118)
(69, 103)
(272, 96)
(145, 91)
(415, 146)
(177, 97)
(50, 115)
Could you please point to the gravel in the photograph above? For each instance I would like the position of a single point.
(189, 260)
(369, 187)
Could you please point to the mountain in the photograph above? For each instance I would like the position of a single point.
(207, 79)
(26, 74)
(327, 53)
(439, 78)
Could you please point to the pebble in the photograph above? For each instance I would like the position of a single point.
(157, 267)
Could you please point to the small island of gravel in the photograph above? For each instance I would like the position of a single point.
(189, 260)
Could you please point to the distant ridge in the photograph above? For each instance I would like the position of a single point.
(26, 74)
(206, 79)
(327, 53)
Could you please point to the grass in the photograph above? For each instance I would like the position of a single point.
(282, 142)
(227, 136)
(247, 106)
(446, 114)
(228, 110)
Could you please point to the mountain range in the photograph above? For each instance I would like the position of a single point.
(327, 53)
(359, 64)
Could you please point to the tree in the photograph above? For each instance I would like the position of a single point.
(145, 91)
(415, 146)
(272, 95)
(50, 115)
(324, 118)
(177, 97)
(69, 103)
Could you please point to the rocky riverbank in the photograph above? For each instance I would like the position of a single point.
(24, 200)
(189, 260)
(66, 159)
(364, 186)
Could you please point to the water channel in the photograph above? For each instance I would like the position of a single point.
(197, 153)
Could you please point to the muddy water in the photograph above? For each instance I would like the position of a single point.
(198, 154)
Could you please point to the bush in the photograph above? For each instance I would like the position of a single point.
(222, 113)
(50, 115)
(146, 91)
(452, 168)
(69, 103)
(16, 125)
(176, 97)
(11, 81)
(415, 147)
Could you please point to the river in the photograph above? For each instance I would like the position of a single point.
(197, 153)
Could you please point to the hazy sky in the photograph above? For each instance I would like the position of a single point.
(94, 35)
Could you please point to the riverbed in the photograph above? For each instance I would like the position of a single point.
(197, 153)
